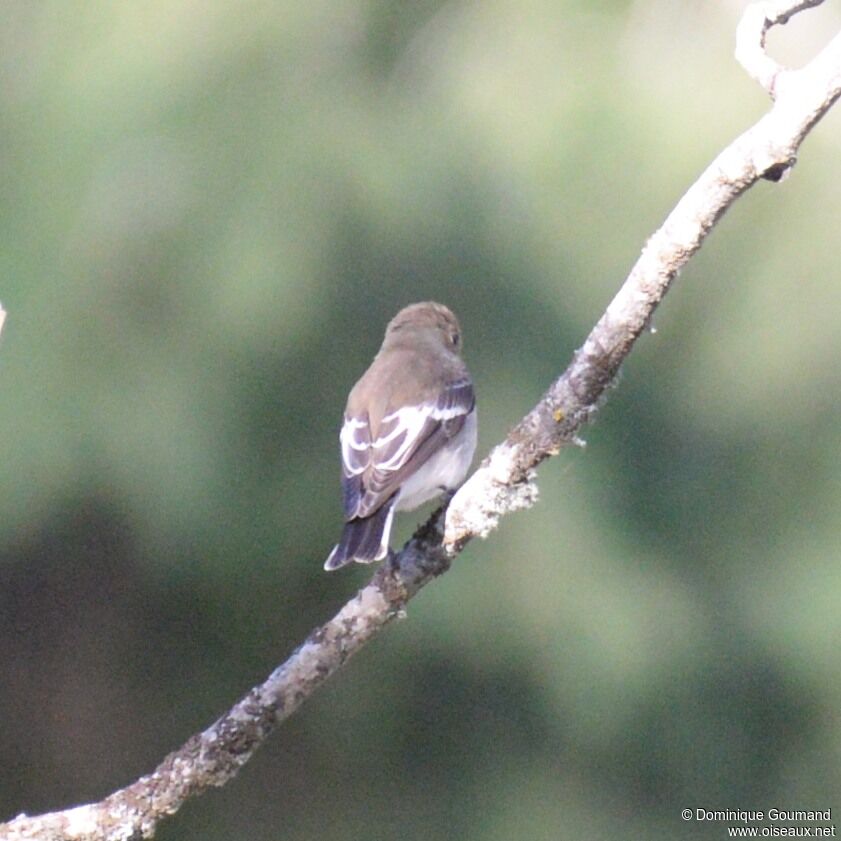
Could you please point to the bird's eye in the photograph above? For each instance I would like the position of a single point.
(455, 338)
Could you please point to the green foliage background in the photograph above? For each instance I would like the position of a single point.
(209, 212)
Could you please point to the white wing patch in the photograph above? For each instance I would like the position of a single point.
(408, 437)
(355, 439)
(397, 443)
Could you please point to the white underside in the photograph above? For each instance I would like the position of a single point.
(444, 470)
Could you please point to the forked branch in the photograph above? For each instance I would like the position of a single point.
(505, 480)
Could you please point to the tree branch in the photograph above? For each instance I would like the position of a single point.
(505, 480)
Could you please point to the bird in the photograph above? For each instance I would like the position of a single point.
(409, 429)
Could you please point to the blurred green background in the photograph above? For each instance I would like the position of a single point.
(210, 211)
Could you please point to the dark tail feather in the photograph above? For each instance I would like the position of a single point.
(364, 540)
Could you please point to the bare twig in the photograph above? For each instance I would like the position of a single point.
(505, 480)
(750, 38)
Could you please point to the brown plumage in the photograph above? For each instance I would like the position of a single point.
(409, 429)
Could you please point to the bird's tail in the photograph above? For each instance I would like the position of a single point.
(364, 540)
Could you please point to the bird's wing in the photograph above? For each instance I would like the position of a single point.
(373, 470)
